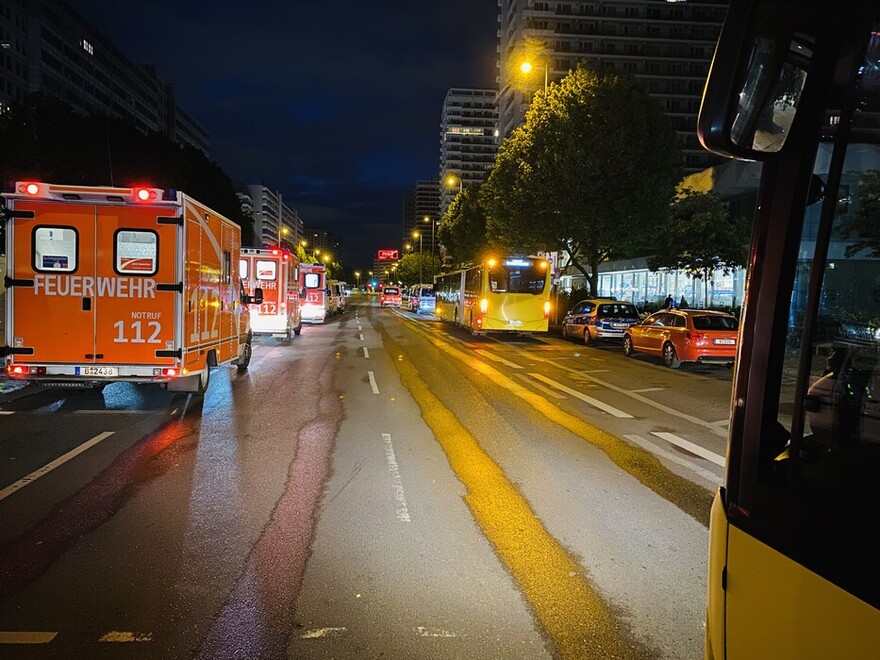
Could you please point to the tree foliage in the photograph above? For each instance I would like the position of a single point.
(864, 224)
(46, 140)
(462, 229)
(592, 168)
(700, 237)
(415, 268)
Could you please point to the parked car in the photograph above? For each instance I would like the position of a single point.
(421, 299)
(390, 297)
(685, 335)
(599, 318)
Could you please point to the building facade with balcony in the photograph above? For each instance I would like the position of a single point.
(275, 222)
(468, 141)
(667, 46)
(421, 208)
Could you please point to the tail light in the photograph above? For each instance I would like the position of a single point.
(282, 307)
(23, 370)
(484, 306)
(479, 322)
(697, 337)
(170, 371)
(32, 189)
(546, 309)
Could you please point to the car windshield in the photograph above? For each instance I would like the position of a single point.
(715, 323)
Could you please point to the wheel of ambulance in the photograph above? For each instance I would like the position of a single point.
(670, 359)
(628, 349)
(204, 380)
(298, 329)
(246, 359)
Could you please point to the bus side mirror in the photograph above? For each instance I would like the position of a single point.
(757, 79)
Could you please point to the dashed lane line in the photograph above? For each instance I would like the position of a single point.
(702, 452)
(401, 510)
(649, 389)
(373, 385)
(546, 390)
(61, 460)
(496, 358)
(125, 637)
(674, 458)
(611, 410)
(366, 352)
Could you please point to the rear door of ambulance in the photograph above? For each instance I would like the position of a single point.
(269, 314)
(86, 288)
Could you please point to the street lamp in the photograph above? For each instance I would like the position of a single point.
(526, 68)
(418, 234)
(357, 279)
(452, 180)
(428, 219)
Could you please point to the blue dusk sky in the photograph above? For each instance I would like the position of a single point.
(334, 104)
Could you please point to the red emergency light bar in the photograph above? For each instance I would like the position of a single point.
(29, 188)
(145, 194)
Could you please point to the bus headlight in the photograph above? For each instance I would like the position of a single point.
(484, 306)
(546, 309)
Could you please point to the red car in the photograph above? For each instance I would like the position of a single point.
(685, 335)
(390, 297)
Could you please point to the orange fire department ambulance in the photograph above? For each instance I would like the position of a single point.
(121, 284)
(274, 270)
(316, 301)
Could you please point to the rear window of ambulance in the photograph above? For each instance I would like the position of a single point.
(266, 269)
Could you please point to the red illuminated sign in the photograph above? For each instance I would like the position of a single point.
(387, 255)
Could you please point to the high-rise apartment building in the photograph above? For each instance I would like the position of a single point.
(47, 47)
(421, 208)
(467, 140)
(668, 46)
(274, 221)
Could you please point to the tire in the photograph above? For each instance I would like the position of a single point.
(204, 380)
(588, 338)
(246, 360)
(564, 332)
(670, 359)
(298, 329)
(628, 349)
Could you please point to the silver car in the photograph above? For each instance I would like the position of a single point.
(599, 318)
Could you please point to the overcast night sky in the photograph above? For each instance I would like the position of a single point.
(335, 104)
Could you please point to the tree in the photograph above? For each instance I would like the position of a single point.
(462, 229)
(45, 140)
(594, 165)
(700, 237)
(415, 268)
(864, 224)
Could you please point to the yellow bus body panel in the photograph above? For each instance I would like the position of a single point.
(776, 608)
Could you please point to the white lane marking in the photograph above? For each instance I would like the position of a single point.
(611, 410)
(649, 389)
(546, 390)
(366, 352)
(702, 452)
(361, 337)
(373, 385)
(720, 422)
(7, 412)
(125, 637)
(422, 631)
(401, 512)
(639, 397)
(491, 356)
(318, 633)
(26, 637)
(675, 458)
(596, 371)
(48, 467)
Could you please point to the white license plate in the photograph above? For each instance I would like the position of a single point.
(97, 371)
(619, 325)
(726, 342)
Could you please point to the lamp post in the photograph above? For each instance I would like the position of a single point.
(418, 234)
(428, 219)
(357, 279)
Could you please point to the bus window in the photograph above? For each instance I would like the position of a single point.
(517, 276)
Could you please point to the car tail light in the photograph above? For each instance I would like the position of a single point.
(697, 337)
(170, 371)
(16, 370)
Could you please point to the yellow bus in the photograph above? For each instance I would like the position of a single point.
(510, 294)
(794, 560)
